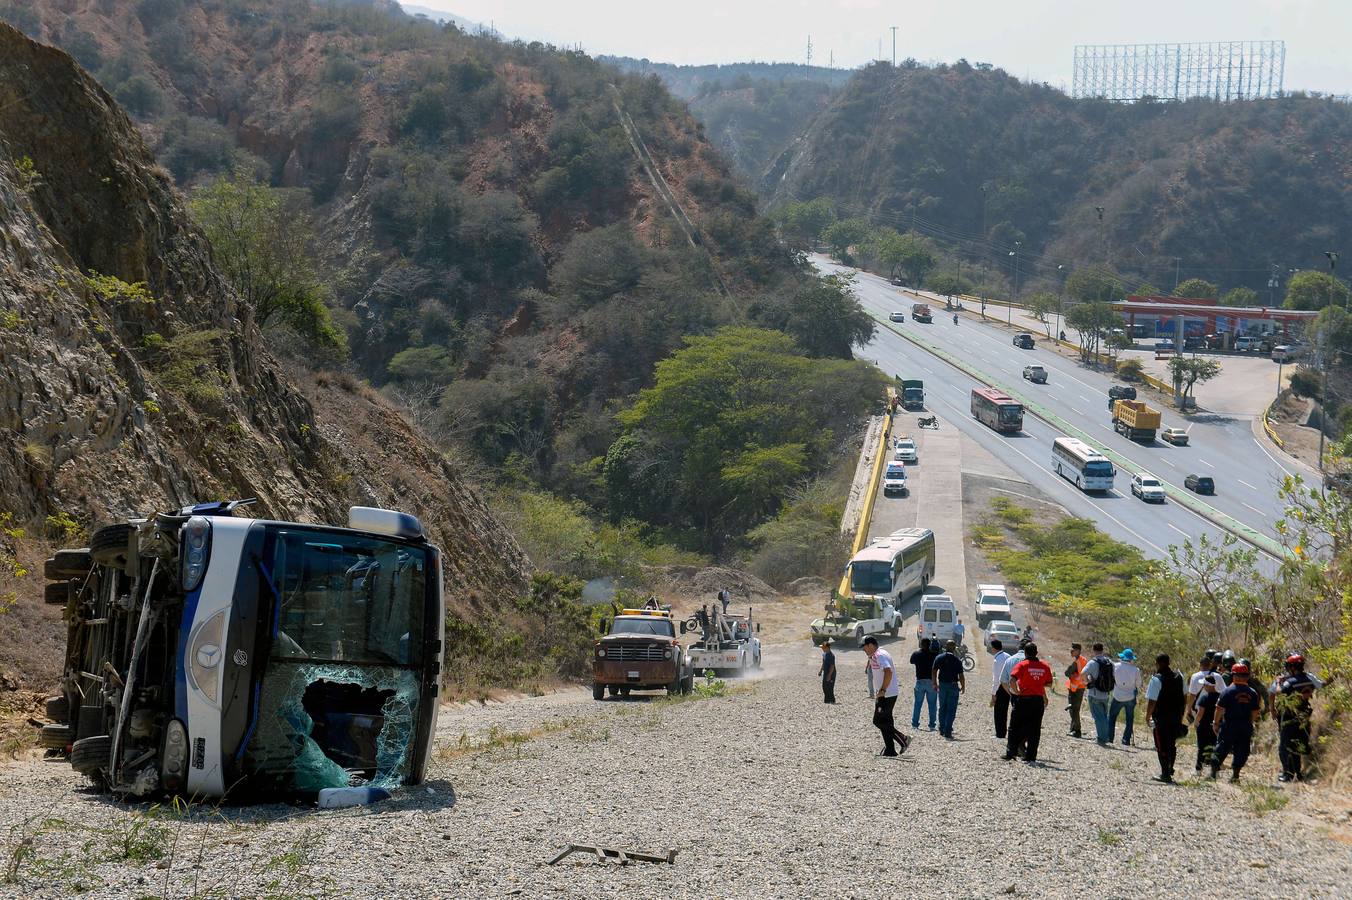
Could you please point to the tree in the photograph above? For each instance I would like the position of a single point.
(842, 235)
(1211, 585)
(949, 284)
(1042, 304)
(1313, 289)
(1241, 296)
(727, 420)
(824, 317)
(1093, 285)
(804, 222)
(1305, 383)
(1188, 372)
(1332, 330)
(1094, 321)
(261, 239)
(1197, 287)
(1146, 289)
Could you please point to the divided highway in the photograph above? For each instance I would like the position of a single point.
(1247, 475)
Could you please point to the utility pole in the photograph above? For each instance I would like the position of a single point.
(1272, 300)
(1103, 242)
(1009, 305)
(1177, 260)
(830, 59)
(894, 46)
(809, 49)
(1324, 357)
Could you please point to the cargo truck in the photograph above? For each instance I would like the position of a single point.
(1136, 420)
(913, 393)
(920, 312)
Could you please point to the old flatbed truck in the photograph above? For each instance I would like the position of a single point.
(638, 650)
(1136, 420)
(913, 393)
(920, 312)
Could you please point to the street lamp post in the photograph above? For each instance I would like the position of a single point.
(1332, 256)
(1060, 292)
(1009, 307)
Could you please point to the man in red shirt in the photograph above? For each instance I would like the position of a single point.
(1028, 682)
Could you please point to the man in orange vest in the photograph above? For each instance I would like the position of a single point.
(1075, 687)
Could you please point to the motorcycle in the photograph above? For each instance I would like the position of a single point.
(928, 422)
(955, 318)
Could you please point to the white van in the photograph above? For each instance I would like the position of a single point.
(1246, 344)
(894, 478)
(937, 615)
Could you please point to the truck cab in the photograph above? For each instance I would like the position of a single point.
(855, 618)
(209, 652)
(727, 644)
(638, 650)
(920, 312)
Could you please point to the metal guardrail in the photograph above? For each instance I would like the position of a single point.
(1249, 535)
(1267, 426)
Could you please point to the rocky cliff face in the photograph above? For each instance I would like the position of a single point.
(131, 378)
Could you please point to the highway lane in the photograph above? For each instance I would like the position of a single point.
(1247, 474)
(947, 392)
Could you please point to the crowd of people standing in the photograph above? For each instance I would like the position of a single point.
(1222, 702)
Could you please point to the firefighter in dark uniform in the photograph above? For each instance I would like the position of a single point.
(1293, 708)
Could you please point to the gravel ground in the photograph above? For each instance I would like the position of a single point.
(765, 792)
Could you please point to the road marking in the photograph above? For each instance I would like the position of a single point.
(1205, 463)
(1247, 485)
(1254, 508)
(1030, 497)
(1179, 530)
(1078, 412)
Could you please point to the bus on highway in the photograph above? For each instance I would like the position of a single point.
(1082, 465)
(997, 410)
(897, 565)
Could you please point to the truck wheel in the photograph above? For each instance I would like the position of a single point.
(859, 637)
(56, 594)
(624, 692)
(894, 629)
(91, 754)
(688, 683)
(614, 690)
(598, 692)
(55, 737)
(67, 564)
(109, 545)
(58, 709)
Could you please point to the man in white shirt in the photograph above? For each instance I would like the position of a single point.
(1126, 685)
(1195, 683)
(885, 697)
(999, 696)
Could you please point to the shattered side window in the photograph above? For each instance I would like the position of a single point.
(339, 696)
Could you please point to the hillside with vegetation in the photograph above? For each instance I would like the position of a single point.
(752, 112)
(504, 240)
(983, 165)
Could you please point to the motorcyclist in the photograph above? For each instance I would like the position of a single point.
(955, 318)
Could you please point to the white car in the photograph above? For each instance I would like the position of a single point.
(1005, 631)
(896, 317)
(1147, 487)
(894, 479)
(992, 602)
(906, 450)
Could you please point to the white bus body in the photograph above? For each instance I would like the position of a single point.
(1082, 465)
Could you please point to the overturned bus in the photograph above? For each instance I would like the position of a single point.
(211, 655)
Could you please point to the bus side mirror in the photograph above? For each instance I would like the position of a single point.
(682, 628)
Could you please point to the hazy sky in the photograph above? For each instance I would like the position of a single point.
(1030, 38)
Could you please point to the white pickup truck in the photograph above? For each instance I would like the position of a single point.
(992, 602)
(855, 618)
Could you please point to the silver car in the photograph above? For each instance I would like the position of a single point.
(1006, 631)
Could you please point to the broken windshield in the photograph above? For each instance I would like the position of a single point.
(339, 698)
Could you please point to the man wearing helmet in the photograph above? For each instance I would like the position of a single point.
(1237, 711)
(1294, 691)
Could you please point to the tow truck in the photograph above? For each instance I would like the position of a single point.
(638, 650)
(727, 644)
(855, 618)
(209, 653)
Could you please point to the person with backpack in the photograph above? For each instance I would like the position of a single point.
(1293, 708)
(1164, 712)
(1205, 711)
(1126, 687)
(1099, 682)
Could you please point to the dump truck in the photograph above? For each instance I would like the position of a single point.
(208, 652)
(920, 312)
(1136, 420)
(913, 393)
(638, 650)
(727, 643)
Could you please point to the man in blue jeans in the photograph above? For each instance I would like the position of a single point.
(1098, 690)
(1126, 688)
(923, 660)
(949, 681)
